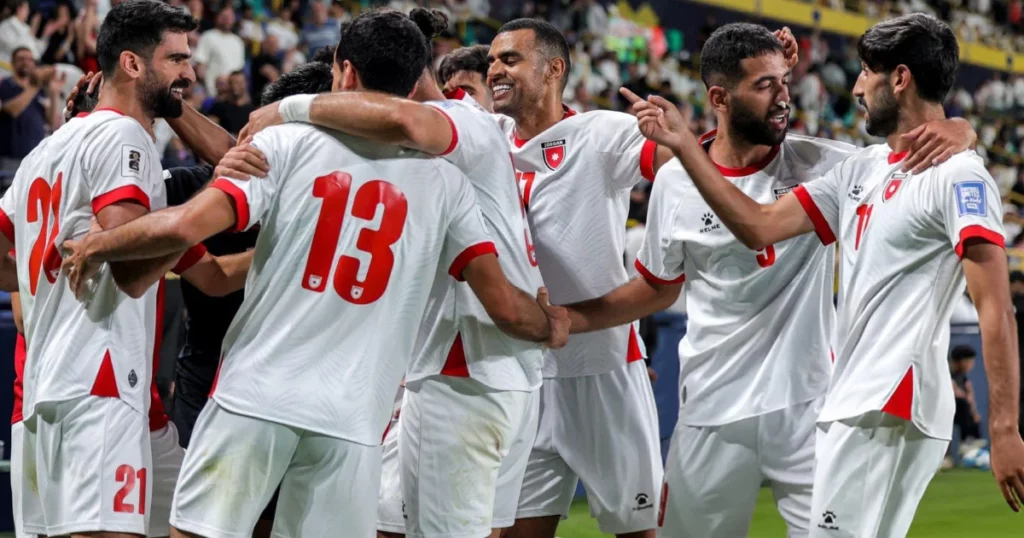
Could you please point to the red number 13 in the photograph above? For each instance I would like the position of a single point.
(334, 189)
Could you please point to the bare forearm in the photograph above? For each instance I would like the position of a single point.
(999, 345)
(8, 274)
(16, 106)
(220, 275)
(209, 140)
(152, 236)
(378, 117)
(527, 322)
(54, 111)
(137, 276)
(625, 304)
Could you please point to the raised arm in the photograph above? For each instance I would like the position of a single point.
(376, 116)
(209, 140)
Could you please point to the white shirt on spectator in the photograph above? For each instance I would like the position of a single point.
(15, 34)
(285, 32)
(221, 52)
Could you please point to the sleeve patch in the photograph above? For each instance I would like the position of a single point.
(970, 198)
(132, 161)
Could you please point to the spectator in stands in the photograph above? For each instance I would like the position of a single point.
(59, 49)
(17, 32)
(266, 67)
(87, 29)
(31, 106)
(321, 31)
(283, 28)
(232, 113)
(966, 417)
(220, 52)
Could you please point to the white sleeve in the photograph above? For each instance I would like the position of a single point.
(8, 212)
(254, 196)
(661, 258)
(626, 154)
(466, 143)
(968, 203)
(467, 235)
(820, 200)
(117, 165)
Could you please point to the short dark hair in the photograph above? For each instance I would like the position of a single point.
(472, 59)
(724, 51)
(309, 78)
(239, 72)
(551, 41)
(962, 352)
(324, 55)
(19, 49)
(137, 26)
(923, 43)
(387, 50)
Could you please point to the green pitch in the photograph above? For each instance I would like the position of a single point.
(958, 503)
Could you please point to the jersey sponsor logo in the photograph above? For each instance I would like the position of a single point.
(855, 193)
(970, 198)
(892, 186)
(554, 153)
(780, 192)
(709, 223)
(131, 161)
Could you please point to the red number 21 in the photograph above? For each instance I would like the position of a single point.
(126, 474)
(863, 216)
(44, 208)
(334, 189)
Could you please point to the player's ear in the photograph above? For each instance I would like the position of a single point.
(718, 97)
(900, 79)
(131, 64)
(556, 69)
(349, 77)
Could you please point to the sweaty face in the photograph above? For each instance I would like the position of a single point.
(759, 104)
(516, 74)
(875, 94)
(474, 84)
(167, 74)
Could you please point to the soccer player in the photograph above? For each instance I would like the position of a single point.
(322, 443)
(755, 361)
(465, 362)
(598, 421)
(86, 447)
(463, 72)
(908, 242)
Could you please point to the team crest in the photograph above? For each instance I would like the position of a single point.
(892, 186)
(554, 153)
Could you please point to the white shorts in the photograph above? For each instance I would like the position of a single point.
(235, 462)
(89, 459)
(390, 508)
(871, 473)
(19, 500)
(713, 474)
(602, 429)
(167, 458)
(463, 452)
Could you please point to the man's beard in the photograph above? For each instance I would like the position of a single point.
(159, 100)
(754, 129)
(884, 115)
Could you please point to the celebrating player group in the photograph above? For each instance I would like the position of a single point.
(407, 227)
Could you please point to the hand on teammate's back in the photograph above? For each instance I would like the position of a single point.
(77, 264)
(242, 162)
(1008, 467)
(261, 118)
(87, 83)
(660, 120)
(558, 320)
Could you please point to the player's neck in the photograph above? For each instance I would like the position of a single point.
(125, 101)
(427, 92)
(912, 117)
(733, 151)
(539, 117)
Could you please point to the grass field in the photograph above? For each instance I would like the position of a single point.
(959, 503)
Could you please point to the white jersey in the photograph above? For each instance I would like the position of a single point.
(575, 179)
(352, 235)
(458, 338)
(760, 323)
(900, 276)
(102, 345)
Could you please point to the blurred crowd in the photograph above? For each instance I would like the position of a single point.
(242, 46)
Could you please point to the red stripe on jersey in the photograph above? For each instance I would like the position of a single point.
(633, 353)
(241, 202)
(895, 157)
(820, 224)
(902, 400)
(455, 364)
(111, 109)
(157, 415)
(832, 354)
(457, 94)
(127, 193)
(649, 276)
(19, 376)
(647, 154)
(6, 226)
(708, 137)
(455, 134)
(468, 255)
(105, 385)
(386, 430)
(216, 377)
(976, 231)
(566, 113)
(189, 258)
(664, 503)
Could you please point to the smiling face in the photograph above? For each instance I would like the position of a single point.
(516, 73)
(166, 75)
(758, 105)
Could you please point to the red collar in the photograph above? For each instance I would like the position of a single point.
(895, 157)
(708, 137)
(567, 112)
(101, 109)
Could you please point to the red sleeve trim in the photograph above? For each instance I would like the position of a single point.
(820, 224)
(241, 202)
(189, 258)
(649, 276)
(455, 134)
(647, 154)
(6, 226)
(457, 94)
(979, 232)
(468, 255)
(127, 193)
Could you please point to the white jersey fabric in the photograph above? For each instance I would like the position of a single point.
(101, 346)
(760, 323)
(575, 179)
(458, 338)
(900, 274)
(352, 234)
